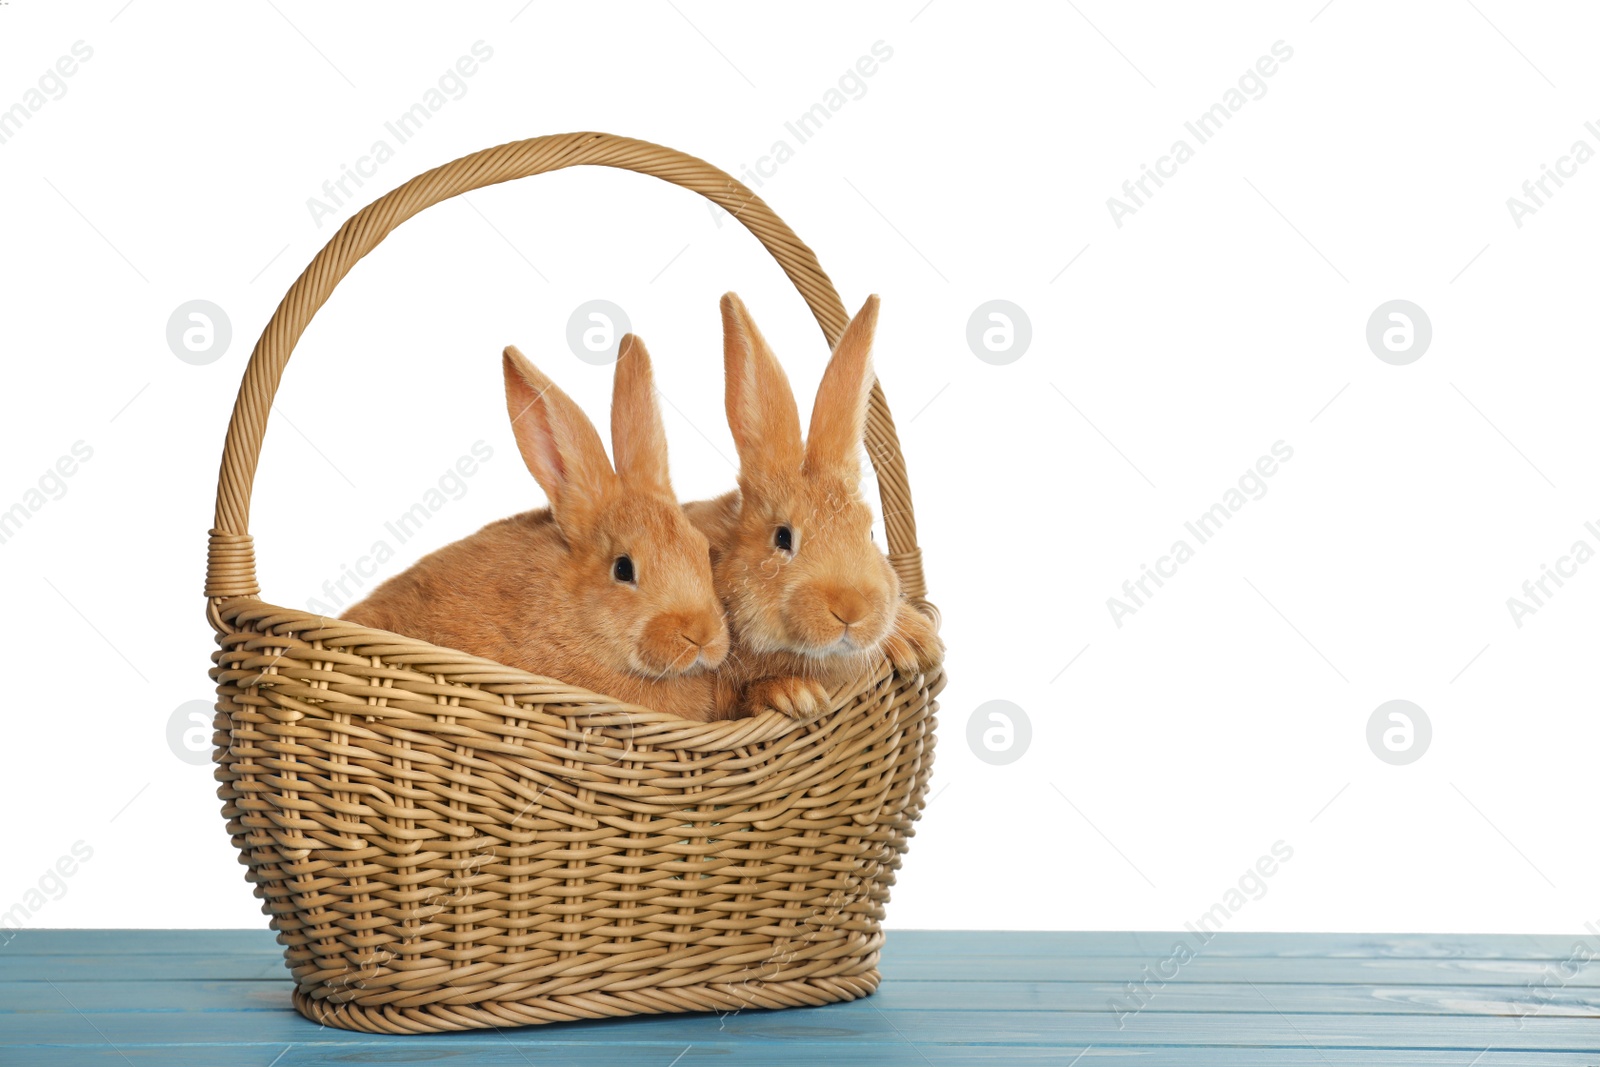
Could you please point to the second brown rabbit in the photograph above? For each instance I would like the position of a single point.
(810, 598)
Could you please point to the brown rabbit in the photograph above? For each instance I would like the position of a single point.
(810, 598)
(609, 588)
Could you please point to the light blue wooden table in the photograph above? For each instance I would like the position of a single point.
(181, 998)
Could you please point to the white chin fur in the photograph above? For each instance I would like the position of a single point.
(840, 648)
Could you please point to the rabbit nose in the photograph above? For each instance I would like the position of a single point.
(699, 632)
(848, 606)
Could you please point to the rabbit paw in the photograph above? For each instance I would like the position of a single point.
(797, 698)
(913, 645)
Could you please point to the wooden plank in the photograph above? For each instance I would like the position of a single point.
(513, 1050)
(174, 997)
(913, 995)
(1023, 944)
(1264, 970)
(922, 1055)
(1118, 970)
(1015, 944)
(861, 1023)
(223, 966)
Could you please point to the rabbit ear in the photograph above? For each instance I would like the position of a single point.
(761, 408)
(839, 417)
(638, 440)
(556, 439)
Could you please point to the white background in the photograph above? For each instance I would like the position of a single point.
(1227, 314)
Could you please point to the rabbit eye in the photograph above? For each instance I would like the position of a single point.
(783, 538)
(622, 569)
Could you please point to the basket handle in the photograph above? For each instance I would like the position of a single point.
(230, 560)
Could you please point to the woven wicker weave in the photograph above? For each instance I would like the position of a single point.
(446, 843)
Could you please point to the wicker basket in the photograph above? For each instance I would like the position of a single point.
(446, 843)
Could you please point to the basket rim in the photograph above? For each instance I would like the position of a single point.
(609, 716)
